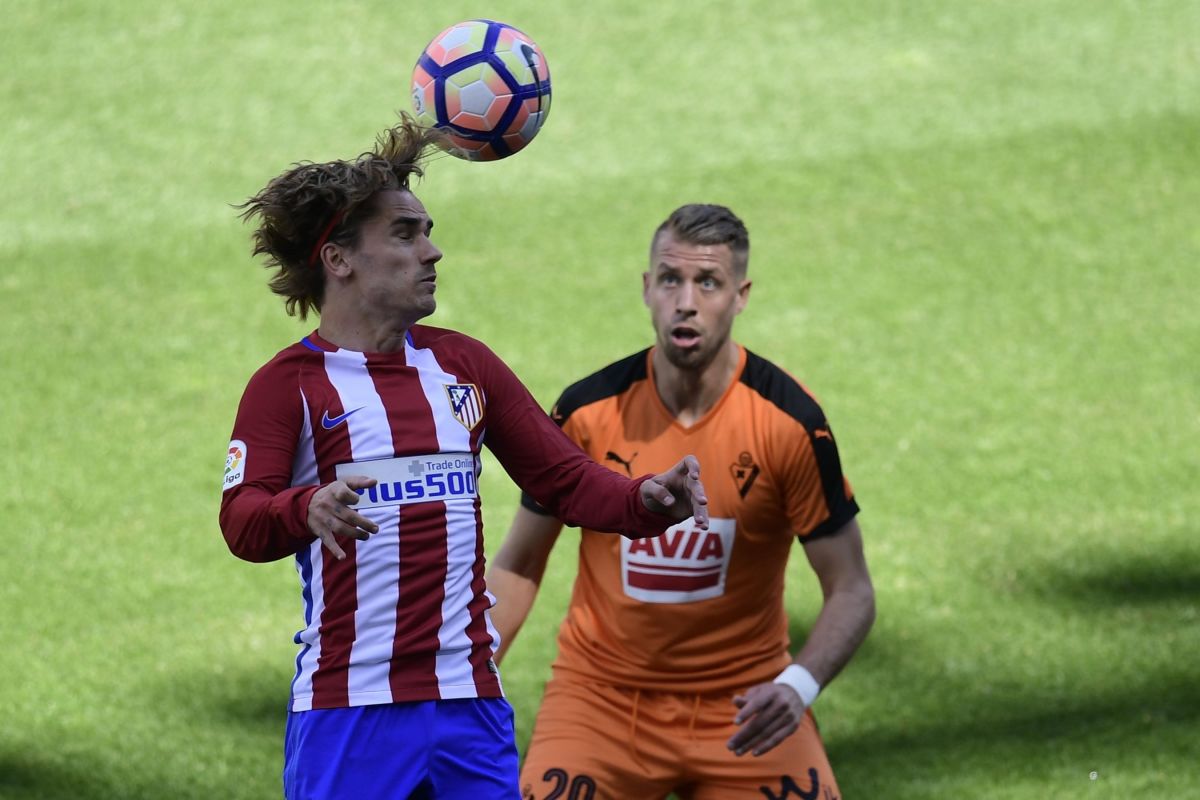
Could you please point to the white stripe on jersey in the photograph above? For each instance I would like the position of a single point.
(302, 685)
(304, 462)
(377, 563)
(304, 473)
(491, 629)
(370, 431)
(455, 675)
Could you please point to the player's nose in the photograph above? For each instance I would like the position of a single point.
(685, 299)
(431, 254)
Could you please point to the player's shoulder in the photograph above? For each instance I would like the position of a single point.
(610, 381)
(449, 343)
(780, 390)
(287, 361)
(276, 380)
(431, 336)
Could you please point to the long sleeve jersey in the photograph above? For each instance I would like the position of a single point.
(404, 617)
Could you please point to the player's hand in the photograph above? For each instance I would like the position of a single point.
(678, 493)
(768, 714)
(330, 514)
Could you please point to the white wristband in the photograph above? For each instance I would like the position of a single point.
(802, 681)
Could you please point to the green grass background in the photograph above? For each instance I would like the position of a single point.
(975, 237)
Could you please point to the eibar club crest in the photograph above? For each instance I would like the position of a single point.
(744, 472)
(466, 404)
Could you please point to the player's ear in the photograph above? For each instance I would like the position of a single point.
(646, 288)
(334, 261)
(743, 295)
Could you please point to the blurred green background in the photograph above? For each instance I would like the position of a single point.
(974, 237)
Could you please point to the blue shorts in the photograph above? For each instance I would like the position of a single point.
(432, 750)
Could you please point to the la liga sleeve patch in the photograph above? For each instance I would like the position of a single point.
(235, 464)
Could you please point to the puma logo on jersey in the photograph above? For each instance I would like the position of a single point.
(628, 465)
(683, 565)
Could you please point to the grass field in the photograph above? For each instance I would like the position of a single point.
(975, 237)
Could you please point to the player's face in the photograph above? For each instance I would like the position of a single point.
(693, 292)
(394, 260)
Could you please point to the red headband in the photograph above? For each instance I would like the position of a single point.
(333, 223)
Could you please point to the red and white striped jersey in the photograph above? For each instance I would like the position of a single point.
(405, 616)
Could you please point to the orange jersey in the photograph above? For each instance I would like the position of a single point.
(699, 611)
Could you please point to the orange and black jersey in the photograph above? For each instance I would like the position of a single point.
(699, 611)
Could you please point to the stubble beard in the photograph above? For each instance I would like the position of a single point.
(694, 360)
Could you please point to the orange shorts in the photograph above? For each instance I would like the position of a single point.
(593, 741)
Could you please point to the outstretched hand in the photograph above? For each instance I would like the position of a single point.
(678, 493)
(330, 514)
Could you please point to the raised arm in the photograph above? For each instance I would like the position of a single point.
(552, 469)
(515, 574)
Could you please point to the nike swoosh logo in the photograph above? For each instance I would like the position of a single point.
(329, 423)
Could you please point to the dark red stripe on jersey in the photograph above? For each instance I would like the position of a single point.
(410, 418)
(331, 679)
(339, 579)
(422, 578)
(675, 583)
(422, 589)
(487, 681)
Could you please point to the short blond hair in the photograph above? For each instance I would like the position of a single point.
(701, 223)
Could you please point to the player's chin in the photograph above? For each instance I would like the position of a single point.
(424, 306)
(689, 357)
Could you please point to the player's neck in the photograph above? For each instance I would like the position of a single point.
(690, 393)
(360, 334)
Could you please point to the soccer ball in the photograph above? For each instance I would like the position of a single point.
(486, 84)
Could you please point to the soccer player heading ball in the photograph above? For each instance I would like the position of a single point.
(356, 453)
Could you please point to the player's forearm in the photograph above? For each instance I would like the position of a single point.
(260, 527)
(514, 598)
(595, 497)
(553, 470)
(845, 619)
(571, 487)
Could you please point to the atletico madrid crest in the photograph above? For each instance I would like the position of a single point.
(466, 404)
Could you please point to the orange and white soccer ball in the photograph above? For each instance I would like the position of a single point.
(486, 84)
